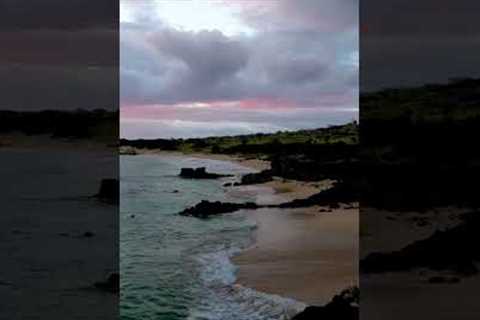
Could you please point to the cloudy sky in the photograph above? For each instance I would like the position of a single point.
(410, 43)
(58, 54)
(198, 67)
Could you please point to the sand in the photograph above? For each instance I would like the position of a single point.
(407, 294)
(289, 190)
(302, 254)
(255, 164)
(297, 253)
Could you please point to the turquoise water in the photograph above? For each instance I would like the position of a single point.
(174, 267)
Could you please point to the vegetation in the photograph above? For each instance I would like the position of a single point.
(99, 124)
(256, 145)
(457, 100)
(419, 146)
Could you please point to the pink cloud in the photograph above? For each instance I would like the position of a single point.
(159, 111)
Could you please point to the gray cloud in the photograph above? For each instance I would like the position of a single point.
(203, 122)
(417, 42)
(58, 14)
(420, 18)
(47, 87)
(320, 15)
(187, 67)
(300, 74)
(58, 54)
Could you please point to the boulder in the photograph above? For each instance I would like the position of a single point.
(257, 178)
(200, 173)
(442, 280)
(111, 284)
(206, 208)
(343, 306)
(454, 250)
(109, 190)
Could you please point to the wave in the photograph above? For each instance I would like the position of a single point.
(223, 299)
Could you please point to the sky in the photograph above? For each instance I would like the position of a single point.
(227, 66)
(58, 54)
(411, 43)
(193, 68)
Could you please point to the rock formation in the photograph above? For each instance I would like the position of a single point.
(200, 173)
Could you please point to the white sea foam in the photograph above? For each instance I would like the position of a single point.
(225, 300)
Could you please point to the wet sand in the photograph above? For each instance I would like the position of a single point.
(408, 294)
(301, 253)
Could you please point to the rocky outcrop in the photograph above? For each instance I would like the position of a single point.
(112, 284)
(343, 306)
(455, 249)
(109, 190)
(206, 209)
(200, 173)
(256, 178)
(127, 150)
(341, 192)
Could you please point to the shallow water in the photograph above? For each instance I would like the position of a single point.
(46, 208)
(174, 267)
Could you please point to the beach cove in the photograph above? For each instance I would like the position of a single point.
(267, 264)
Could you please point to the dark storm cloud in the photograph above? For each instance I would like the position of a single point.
(58, 14)
(407, 43)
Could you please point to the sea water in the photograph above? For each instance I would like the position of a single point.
(48, 266)
(175, 267)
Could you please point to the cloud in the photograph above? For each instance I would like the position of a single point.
(418, 42)
(225, 119)
(421, 18)
(309, 63)
(59, 54)
(168, 66)
(319, 15)
(47, 87)
(58, 14)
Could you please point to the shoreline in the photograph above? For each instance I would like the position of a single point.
(256, 164)
(301, 254)
(23, 142)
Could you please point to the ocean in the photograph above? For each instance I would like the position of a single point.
(174, 267)
(47, 206)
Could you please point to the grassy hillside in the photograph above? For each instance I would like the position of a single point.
(99, 125)
(458, 100)
(257, 144)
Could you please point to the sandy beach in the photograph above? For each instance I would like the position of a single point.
(256, 164)
(408, 294)
(302, 253)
